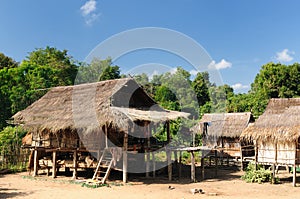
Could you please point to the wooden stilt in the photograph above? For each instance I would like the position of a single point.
(193, 173)
(202, 168)
(148, 154)
(273, 173)
(216, 163)
(125, 146)
(256, 156)
(54, 164)
(75, 165)
(147, 163)
(294, 175)
(169, 164)
(154, 165)
(35, 163)
(295, 168)
(241, 156)
(179, 164)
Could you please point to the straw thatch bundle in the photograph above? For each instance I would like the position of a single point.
(279, 122)
(229, 125)
(86, 108)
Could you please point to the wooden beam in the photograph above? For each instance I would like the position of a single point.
(125, 163)
(54, 164)
(35, 162)
(193, 172)
(75, 165)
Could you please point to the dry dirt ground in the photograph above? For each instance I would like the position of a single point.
(227, 185)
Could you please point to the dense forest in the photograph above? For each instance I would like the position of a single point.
(23, 83)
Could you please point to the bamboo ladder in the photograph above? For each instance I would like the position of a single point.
(104, 166)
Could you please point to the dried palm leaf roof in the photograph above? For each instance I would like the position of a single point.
(280, 121)
(224, 124)
(89, 106)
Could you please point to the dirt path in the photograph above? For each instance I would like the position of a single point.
(18, 186)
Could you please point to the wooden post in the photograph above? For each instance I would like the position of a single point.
(75, 165)
(241, 156)
(216, 163)
(202, 167)
(169, 160)
(35, 162)
(168, 131)
(148, 154)
(106, 136)
(179, 164)
(294, 175)
(153, 161)
(256, 155)
(193, 173)
(294, 169)
(147, 163)
(125, 146)
(54, 164)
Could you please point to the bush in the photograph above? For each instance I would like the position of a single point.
(258, 175)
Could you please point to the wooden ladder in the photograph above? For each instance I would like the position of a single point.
(104, 166)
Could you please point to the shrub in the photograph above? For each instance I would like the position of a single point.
(258, 175)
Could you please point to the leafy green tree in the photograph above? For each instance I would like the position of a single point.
(97, 70)
(201, 89)
(7, 62)
(56, 59)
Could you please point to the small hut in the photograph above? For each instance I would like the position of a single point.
(69, 122)
(276, 133)
(222, 131)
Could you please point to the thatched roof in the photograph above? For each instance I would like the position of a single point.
(280, 121)
(224, 124)
(89, 106)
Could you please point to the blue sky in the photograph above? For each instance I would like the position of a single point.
(239, 36)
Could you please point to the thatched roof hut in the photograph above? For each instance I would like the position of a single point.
(85, 108)
(279, 122)
(224, 124)
(223, 130)
(276, 134)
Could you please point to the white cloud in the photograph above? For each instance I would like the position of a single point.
(88, 11)
(239, 86)
(194, 72)
(284, 56)
(88, 7)
(220, 65)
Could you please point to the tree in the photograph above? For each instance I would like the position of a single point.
(56, 59)
(7, 62)
(97, 70)
(201, 89)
